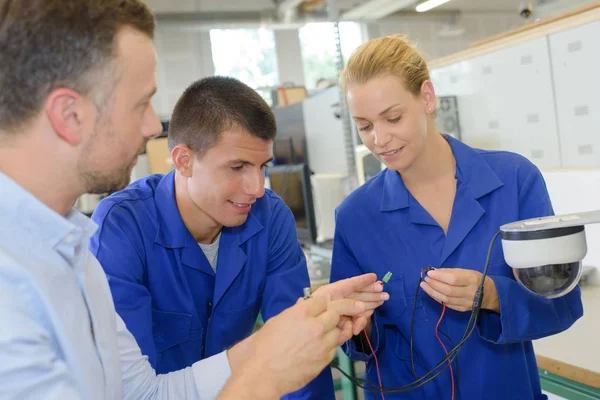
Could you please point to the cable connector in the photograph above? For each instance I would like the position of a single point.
(425, 271)
(478, 298)
(307, 293)
(387, 277)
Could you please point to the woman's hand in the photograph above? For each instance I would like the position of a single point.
(456, 288)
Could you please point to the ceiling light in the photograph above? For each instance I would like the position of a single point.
(428, 5)
(375, 9)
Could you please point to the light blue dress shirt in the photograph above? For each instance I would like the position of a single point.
(60, 337)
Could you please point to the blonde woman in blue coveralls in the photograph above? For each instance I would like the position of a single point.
(438, 203)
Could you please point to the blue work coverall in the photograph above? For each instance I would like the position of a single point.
(167, 293)
(380, 227)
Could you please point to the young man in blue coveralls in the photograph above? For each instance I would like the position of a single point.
(193, 256)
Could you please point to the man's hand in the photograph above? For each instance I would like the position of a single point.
(290, 350)
(456, 288)
(363, 288)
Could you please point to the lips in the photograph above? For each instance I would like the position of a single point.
(241, 205)
(243, 208)
(391, 152)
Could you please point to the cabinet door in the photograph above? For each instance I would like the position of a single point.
(576, 67)
(506, 101)
(529, 108)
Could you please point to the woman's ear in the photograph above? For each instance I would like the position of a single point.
(429, 97)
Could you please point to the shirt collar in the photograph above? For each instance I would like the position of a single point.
(471, 170)
(171, 230)
(22, 209)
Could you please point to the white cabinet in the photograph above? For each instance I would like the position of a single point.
(528, 97)
(576, 69)
(505, 101)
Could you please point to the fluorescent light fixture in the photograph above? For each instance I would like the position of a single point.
(288, 5)
(429, 4)
(376, 9)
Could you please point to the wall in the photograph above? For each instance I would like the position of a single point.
(438, 36)
(554, 7)
(183, 57)
(576, 191)
(289, 56)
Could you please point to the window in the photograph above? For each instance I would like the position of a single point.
(248, 55)
(318, 49)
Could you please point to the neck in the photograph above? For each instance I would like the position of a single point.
(35, 166)
(203, 227)
(436, 162)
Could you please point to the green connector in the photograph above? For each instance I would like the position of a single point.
(387, 277)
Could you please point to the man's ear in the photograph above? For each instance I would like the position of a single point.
(183, 160)
(66, 112)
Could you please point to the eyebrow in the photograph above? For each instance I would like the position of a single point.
(246, 162)
(381, 113)
(149, 95)
(388, 109)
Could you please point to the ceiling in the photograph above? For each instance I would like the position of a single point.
(274, 11)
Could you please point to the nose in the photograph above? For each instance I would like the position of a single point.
(152, 126)
(380, 137)
(255, 184)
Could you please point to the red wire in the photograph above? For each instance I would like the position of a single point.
(444, 347)
(376, 364)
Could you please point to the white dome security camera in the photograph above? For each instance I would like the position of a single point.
(546, 253)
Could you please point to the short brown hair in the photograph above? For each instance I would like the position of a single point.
(212, 105)
(49, 44)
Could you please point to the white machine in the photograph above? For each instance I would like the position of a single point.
(546, 253)
(367, 165)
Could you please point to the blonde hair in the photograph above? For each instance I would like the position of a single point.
(392, 55)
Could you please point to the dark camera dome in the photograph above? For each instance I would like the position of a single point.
(550, 281)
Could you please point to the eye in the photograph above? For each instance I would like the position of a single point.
(237, 167)
(365, 128)
(267, 165)
(395, 120)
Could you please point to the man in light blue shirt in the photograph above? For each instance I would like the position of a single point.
(76, 81)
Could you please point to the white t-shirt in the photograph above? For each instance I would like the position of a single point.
(211, 251)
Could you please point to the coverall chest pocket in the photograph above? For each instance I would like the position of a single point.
(243, 319)
(399, 308)
(396, 305)
(174, 340)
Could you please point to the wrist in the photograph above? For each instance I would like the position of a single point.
(238, 354)
(249, 373)
(490, 296)
(251, 382)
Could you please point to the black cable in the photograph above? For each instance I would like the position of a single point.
(452, 354)
(431, 375)
(412, 325)
(456, 361)
(406, 388)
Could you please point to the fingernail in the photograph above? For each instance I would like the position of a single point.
(378, 286)
(426, 279)
(422, 285)
(385, 296)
